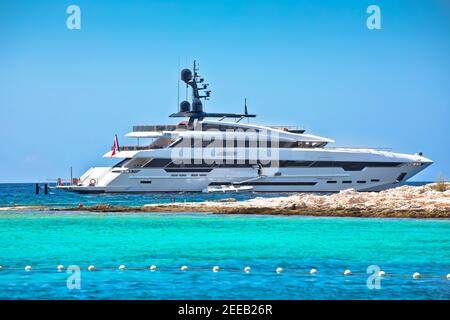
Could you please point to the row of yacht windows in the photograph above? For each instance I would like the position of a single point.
(349, 181)
(168, 163)
(226, 128)
(228, 143)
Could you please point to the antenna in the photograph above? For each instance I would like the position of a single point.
(186, 63)
(246, 110)
(200, 91)
(178, 85)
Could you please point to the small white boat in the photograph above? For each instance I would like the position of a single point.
(227, 188)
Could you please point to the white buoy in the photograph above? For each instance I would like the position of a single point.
(27, 268)
(279, 270)
(313, 271)
(381, 273)
(347, 273)
(122, 267)
(448, 276)
(60, 268)
(184, 268)
(152, 268)
(416, 275)
(91, 268)
(215, 269)
(247, 269)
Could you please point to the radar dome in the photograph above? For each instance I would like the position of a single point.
(185, 106)
(186, 75)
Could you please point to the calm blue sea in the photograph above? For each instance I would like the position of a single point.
(44, 240)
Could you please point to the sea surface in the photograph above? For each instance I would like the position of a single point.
(45, 239)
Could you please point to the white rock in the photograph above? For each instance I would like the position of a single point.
(313, 271)
(91, 268)
(416, 275)
(215, 269)
(152, 268)
(60, 268)
(349, 190)
(381, 273)
(184, 268)
(27, 268)
(122, 267)
(347, 272)
(279, 270)
(247, 269)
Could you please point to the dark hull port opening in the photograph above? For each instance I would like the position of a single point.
(146, 182)
(286, 183)
(401, 177)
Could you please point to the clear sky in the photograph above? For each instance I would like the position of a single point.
(65, 93)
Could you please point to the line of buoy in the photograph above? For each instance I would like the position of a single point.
(247, 269)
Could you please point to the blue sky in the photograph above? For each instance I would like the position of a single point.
(65, 93)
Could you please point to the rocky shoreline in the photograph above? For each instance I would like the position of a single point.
(402, 202)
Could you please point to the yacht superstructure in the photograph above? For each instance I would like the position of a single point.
(202, 152)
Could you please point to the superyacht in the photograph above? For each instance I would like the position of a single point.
(218, 151)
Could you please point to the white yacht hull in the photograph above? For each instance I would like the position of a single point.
(287, 179)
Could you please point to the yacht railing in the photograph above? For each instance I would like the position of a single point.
(174, 127)
(134, 148)
(290, 127)
(362, 148)
(159, 127)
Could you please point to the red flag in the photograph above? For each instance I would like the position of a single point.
(115, 146)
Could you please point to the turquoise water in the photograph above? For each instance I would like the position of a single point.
(44, 240)
(24, 194)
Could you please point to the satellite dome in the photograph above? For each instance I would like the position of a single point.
(186, 75)
(185, 106)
